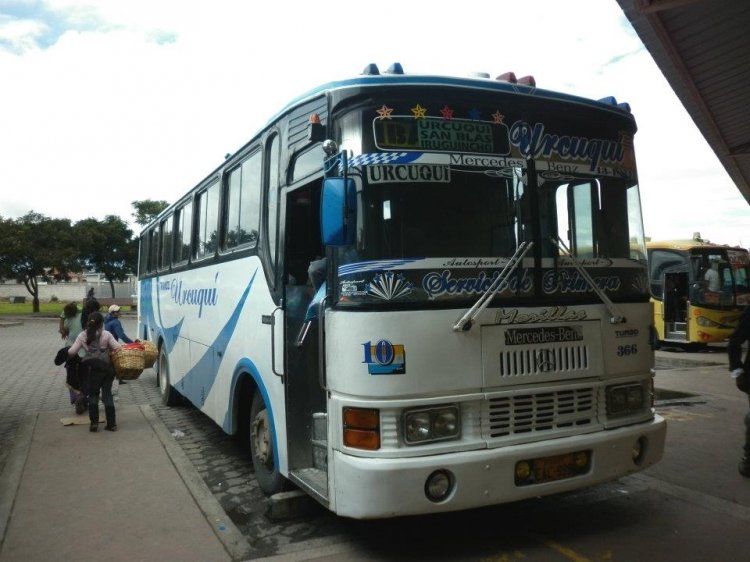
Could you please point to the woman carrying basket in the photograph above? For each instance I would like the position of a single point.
(98, 344)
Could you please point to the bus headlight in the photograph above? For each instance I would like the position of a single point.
(624, 399)
(704, 322)
(431, 424)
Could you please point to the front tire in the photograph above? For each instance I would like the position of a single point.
(169, 396)
(261, 448)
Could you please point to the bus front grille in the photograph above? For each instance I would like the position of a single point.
(544, 412)
(557, 359)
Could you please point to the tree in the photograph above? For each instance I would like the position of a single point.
(147, 210)
(34, 248)
(108, 247)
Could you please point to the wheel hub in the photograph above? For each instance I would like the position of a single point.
(260, 437)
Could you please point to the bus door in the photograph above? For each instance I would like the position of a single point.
(305, 394)
(675, 282)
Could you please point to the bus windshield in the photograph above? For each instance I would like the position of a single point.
(721, 277)
(436, 233)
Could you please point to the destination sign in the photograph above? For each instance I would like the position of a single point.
(441, 135)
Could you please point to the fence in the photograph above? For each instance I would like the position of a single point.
(66, 292)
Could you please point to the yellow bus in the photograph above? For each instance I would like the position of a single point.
(698, 290)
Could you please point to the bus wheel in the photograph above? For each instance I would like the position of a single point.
(169, 396)
(261, 448)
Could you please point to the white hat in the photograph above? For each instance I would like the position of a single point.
(113, 308)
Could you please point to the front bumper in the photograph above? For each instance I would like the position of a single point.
(365, 488)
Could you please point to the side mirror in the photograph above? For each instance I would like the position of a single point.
(338, 212)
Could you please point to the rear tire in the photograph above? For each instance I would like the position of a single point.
(261, 448)
(169, 396)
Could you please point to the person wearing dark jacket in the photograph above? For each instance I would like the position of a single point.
(90, 304)
(113, 325)
(740, 371)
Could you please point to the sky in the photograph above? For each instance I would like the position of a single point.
(106, 102)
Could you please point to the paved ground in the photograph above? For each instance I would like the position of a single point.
(31, 383)
(696, 484)
(72, 495)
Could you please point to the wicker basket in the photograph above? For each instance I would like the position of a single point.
(150, 353)
(128, 363)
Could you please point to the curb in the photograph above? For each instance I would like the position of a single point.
(225, 530)
(10, 478)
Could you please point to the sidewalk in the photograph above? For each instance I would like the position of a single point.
(67, 494)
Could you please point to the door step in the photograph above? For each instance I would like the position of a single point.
(320, 441)
(313, 481)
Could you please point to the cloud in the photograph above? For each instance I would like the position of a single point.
(109, 101)
(28, 25)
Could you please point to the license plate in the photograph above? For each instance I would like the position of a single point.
(551, 469)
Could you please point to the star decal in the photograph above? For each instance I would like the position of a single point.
(385, 112)
(419, 112)
(446, 112)
(475, 114)
(498, 117)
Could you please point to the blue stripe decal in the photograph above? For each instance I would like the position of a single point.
(378, 265)
(199, 380)
(148, 315)
(170, 334)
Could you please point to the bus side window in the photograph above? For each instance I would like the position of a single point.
(243, 203)
(143, 255)
(153, 250)
(165, 234)
(207, 221)
(182, 233)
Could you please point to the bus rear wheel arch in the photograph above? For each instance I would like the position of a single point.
(169, 396)
(261, 439)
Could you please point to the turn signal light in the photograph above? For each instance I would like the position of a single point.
(362, 428)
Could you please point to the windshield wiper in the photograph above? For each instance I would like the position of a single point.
(615, 316)
(466, 321)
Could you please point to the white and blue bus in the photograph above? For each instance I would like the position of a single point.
(415, 294)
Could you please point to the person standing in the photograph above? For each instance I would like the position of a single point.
(740, 371)
(711, 277)
(113, 325)
(69, 328)
(98, 343)
(90, 304)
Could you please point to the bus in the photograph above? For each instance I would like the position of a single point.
(698, 289)
(411, 294)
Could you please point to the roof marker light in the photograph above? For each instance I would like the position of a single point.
(527, 81)
(508, 77)
(395, 68)
(625, 106)
(609, 100)
(480, 75)
(371, 70)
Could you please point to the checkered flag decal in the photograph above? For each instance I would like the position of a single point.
(384, 158)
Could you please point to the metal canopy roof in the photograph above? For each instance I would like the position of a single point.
(703, 49)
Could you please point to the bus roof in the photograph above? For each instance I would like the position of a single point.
(479, 83)
(688, 244)
(371, 77)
